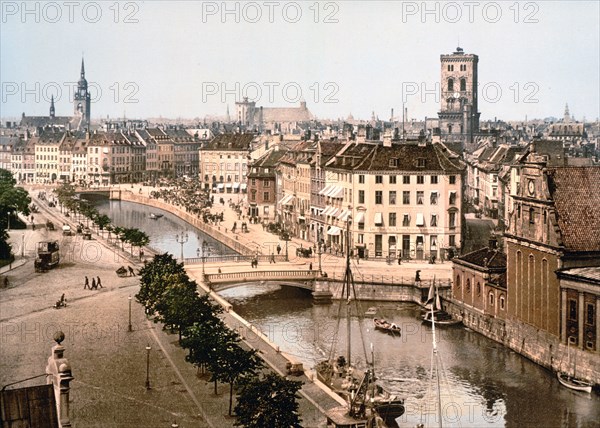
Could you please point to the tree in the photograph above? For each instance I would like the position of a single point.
(102, 220)
(12, 199)
(180, 305)
(268, 402)
(156, 277)
(136, 238)
(234, 364)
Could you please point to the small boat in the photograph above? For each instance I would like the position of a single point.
(441, 318)
(154, 216)
(386, 326)
(574, 383)
(434, 311)
(371, 311)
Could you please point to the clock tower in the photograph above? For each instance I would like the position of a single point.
(82, 99)
(458, 110)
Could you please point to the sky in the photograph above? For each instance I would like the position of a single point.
(193, 59)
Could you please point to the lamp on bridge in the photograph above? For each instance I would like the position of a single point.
(181, 239)
(205, 249)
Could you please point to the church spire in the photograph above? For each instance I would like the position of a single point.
(82, 69)
(567, 116)
(52, 112)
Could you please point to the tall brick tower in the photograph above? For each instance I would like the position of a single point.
(458, 114)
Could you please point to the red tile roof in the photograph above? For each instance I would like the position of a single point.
(577, 201)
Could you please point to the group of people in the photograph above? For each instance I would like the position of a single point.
(96, 283)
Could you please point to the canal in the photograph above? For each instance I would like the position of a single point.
(483, 384)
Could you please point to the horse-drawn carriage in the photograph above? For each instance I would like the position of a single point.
(304, 252)
(49, 225)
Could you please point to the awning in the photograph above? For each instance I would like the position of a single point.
(301, 217)
(334, 231)
(236, 185)
(286, 200)
(334, 212)
(325, 190)
(220, 186)
(228, 186)
(316, 210)
(360, 217)
(420, 219)
(336, 192)
(378, 218)
(344, 215)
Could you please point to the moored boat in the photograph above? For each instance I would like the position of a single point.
(574, 383)
(435, 312)
(154, 216)
(386, 326)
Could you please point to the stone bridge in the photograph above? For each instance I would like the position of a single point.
(324, 288)
(110, 192)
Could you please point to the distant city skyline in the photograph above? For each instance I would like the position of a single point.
(193, 60)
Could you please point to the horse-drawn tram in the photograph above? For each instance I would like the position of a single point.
(48, 256)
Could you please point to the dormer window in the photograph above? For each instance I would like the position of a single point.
(393, 163)
(421, 163)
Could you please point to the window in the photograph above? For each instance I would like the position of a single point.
(266, 196)
(361, 225)
(392, 221)
(452, 220)
(392, 197)
(452, 179)
(361, 179)
(458, 281)
(502, 302)
(463, 85)
(452, 240)
(450, 85)
(266, 183)
(421, 162)
(253, 195)
(392, 179)
(478, 289)
(420, 179)
(468, 286)
(406, 220)
(491, 299)
(361, 238)
(379, 179)
(531, 216)
(573, 309)
(452, 198)
(361, 196)
(434, 219)
(378, 197)
(406, 197)
(420, 197)
(406, 179)
(434, 179)
(590, 316)
(433, 199)
(393, 163)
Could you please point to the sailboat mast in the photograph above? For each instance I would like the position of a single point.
(347, 282)
(437, 368)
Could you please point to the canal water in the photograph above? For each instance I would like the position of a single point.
(482, 383)
(165, 232)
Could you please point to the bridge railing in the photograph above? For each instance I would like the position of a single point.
(371, 278)
(233, 258)
(269, 274)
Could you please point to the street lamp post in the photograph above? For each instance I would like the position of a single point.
(181, 240)
(148, 348)
(129, 327)
(204, 251)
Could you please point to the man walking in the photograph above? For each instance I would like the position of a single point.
(98, 283)
(86, 283)
(94, 286)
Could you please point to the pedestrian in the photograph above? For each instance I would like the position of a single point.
(310, 266)
(272, 258)
(141, 254)
(278, 249)
(98, 283)
(94, 286)
(418, 276)
(131, 272)
(86, 284)
(399, 260)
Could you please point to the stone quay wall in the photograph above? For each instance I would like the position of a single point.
(536, 345)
